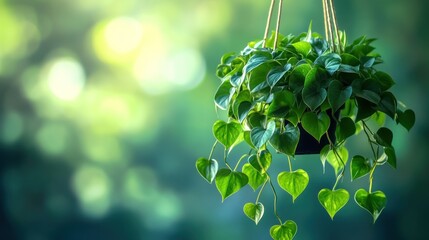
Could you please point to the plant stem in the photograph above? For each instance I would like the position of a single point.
(267, 27)
(371, 177)
(275, 200)
(239, 160)
(366, 129)
(260, 191)
(290, 164)
(225, 156)
(211, 152)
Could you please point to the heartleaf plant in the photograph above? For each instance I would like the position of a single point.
(303, 94)
(275, 94)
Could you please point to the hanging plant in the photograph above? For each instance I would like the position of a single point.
(303, 94)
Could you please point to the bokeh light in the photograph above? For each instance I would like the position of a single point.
(66, 78)
(106, 105)
(93, 188)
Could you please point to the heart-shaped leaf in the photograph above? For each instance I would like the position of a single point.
(243, 96)
(254, 211)
(359, 167)
(333, 200)
(227, 133)
(314, 93)
(302, 47)
(315, 124)
(229, 182)
(345, 129)
(256, 179)
(338, 94)
(224, 94)
(374, 202)
(207, 168)
(337, 158)
(260, 135)
(331, 62)
(384, 79)
(256, 60)
(324, 155)
(391, 156)
(388, 104)
(293, 182)
(297, 77)
(262, 161)
(282, 103)
(384, 137)
(287, 141)
(406, 118)
(286, 231)
(244, 109)
(277, 73)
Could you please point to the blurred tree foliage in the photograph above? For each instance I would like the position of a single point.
(105, 105)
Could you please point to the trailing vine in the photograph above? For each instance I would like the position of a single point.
(282, 89)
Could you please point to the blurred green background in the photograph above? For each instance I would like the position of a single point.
(105, 106)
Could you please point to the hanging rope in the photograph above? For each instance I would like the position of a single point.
(279, 16)
(331, 26)
(267, 27)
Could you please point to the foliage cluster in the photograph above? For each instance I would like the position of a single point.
(274, 95)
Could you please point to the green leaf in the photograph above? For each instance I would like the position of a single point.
(337, 158)
(302, 48)
(349, 59)
(256, 179)
(345, 129)
(260, 136)
(324, 155)
(297, 77)
(315, 124)
(384, 137)
(244, 109)
(374, 202)
(365, 109)
(262, 161)
(406, 118)
(338, 94)
(391, 156)
(293, 182)
(282, 103)
(359, 167)
(333, 200)
(314, 93)
(243, 96)
(286, 231)
(277, 73)
(287, 141)
(256, 60)
(254, 211)
(331, 62)
(227, 133)
(207, 168)
(229, 182)
(258, 78)
(256, 119)
(224, 94)
(388, 104)
(385, 80)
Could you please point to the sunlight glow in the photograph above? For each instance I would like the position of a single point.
(123, 34)
(66, 78)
